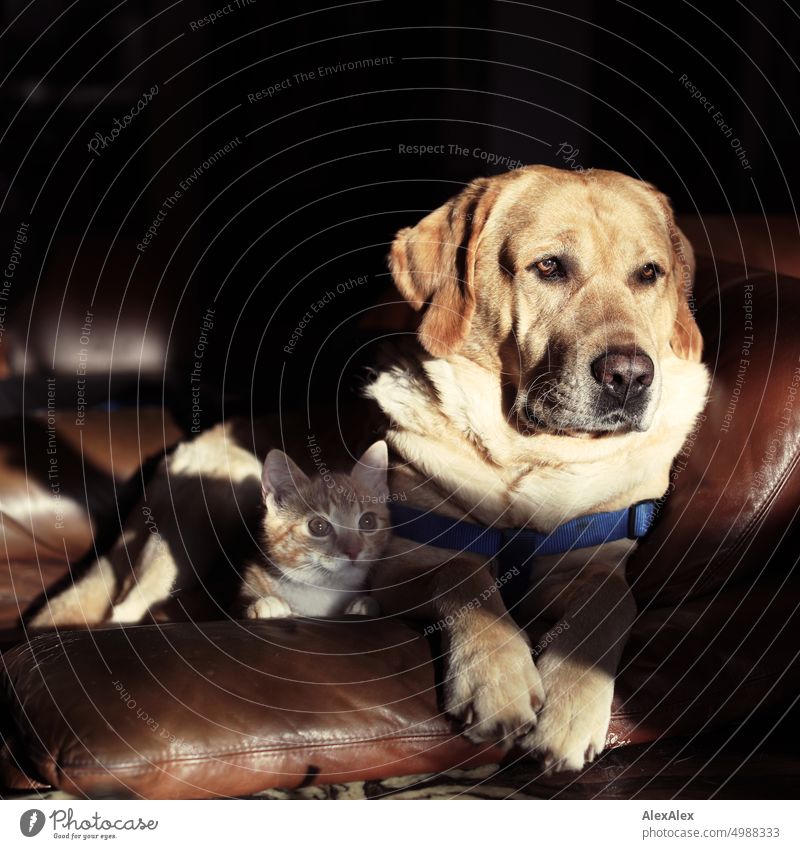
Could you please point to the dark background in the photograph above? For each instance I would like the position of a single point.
(314, 192)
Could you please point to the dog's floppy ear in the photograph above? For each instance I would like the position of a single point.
(686, 340)
(433, 265)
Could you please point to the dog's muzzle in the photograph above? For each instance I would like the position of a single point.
(613, 392)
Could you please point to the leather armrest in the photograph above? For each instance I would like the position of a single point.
(735, 487)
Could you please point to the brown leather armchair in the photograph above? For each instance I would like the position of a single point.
(226, 708)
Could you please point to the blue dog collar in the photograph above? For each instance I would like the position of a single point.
(515, 548)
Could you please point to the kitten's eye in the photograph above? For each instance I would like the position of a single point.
(319, 527)
(649, 273)
(549, 268)
(368, 522)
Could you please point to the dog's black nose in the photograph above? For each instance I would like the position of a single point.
(623, 372)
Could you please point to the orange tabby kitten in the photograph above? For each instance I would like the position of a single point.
(321, 538)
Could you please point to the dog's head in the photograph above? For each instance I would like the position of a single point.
(573, 286)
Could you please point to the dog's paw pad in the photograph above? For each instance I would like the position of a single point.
(562, 746)
(495, 695)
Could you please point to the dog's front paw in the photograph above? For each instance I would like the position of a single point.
(573, 723)
(492, 685)
(268, 607)
(364, 605)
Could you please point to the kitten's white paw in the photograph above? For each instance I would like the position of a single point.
(364, 605)
(268, 607)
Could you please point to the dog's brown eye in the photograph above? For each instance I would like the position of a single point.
(649, 273)
(549, 268)
(368, 522)
(319, 527)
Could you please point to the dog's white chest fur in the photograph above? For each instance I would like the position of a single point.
(446, 421)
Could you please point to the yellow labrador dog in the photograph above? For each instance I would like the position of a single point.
(555, 375)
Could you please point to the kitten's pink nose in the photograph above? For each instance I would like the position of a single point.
(353, 551)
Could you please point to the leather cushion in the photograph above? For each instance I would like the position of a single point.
(230, 708)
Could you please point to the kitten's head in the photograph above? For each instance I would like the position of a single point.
(336, 522)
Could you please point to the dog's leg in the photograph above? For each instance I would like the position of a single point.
(490, 682)
(578, 664)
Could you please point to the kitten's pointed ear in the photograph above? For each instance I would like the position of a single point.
(280, 474)
(371, 469)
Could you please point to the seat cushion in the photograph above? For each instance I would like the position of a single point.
(231, 708)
